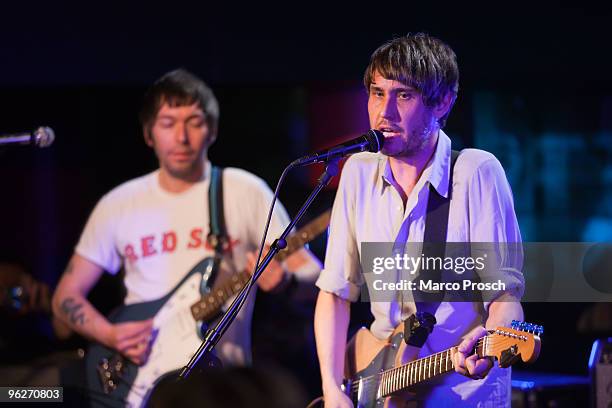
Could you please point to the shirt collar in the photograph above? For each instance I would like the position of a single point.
(436, 172)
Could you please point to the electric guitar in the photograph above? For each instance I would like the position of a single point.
(113, 380)
(377, 370)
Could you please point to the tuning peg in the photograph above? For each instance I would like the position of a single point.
(527, 327)
(517, 325)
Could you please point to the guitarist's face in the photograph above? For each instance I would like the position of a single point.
(180, 136)
(399, 111)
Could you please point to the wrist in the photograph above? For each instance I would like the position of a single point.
(106, 333)
(330, 385)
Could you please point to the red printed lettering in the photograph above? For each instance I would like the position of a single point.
(196, 238)
(130, 255)
(146, 244)
(169, 242)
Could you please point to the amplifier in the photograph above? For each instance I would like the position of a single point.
(600, 370)
(545, 390)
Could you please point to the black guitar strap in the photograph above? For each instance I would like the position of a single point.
(217, 236)
(434, 241)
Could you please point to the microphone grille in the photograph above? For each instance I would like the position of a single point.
(375, 139)
(44, 136)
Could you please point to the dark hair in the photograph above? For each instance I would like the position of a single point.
(178, 88)
(271, 387)
(420, 61)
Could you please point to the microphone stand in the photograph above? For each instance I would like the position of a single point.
(214, 334)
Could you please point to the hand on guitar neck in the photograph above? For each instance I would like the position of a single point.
(277, 276)
(294, 258)
(501, 312)
(273, 277)
(468, 363)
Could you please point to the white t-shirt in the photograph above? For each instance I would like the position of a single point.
(159, 237)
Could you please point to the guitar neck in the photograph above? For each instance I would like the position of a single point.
(304, 235)
(396, 379)
(211, 303)
(415, 372)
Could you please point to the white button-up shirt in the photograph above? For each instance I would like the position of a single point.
(368, 208)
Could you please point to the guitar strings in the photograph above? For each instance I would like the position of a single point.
(367, 381)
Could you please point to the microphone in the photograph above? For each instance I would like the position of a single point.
(372, 141)
(41, 137)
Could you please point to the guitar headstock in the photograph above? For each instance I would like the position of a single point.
(521, 341)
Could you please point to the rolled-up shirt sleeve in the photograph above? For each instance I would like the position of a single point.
(341, 274)
(494, 222)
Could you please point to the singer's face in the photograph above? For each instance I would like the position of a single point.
(180, 136)
(398, 111)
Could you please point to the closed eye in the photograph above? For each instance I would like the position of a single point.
(197, 122)
(166, 123)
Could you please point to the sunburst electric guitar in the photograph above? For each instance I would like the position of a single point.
(382, 372)
(115, 381)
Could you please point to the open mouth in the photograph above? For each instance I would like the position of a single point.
(388, 131)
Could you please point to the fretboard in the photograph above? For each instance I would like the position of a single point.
(209, 305)
(399, 378)
(414, 372)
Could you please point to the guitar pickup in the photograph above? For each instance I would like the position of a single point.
(418, 327)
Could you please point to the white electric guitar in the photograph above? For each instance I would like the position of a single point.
(113, 380)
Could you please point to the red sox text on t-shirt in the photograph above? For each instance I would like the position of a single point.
(167, 242)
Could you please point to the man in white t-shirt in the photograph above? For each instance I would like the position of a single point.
(156, 226)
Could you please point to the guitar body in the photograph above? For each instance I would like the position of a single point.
(366, 355)
(383, 372)
(114, 381)
(175, 339)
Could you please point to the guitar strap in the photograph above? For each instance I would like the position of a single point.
(434, 241)
(217, 236)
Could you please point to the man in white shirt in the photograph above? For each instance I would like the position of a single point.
(412, 83)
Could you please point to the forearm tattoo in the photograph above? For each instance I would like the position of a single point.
(72, 309)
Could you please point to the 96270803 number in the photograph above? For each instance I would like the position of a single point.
(31, 394)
